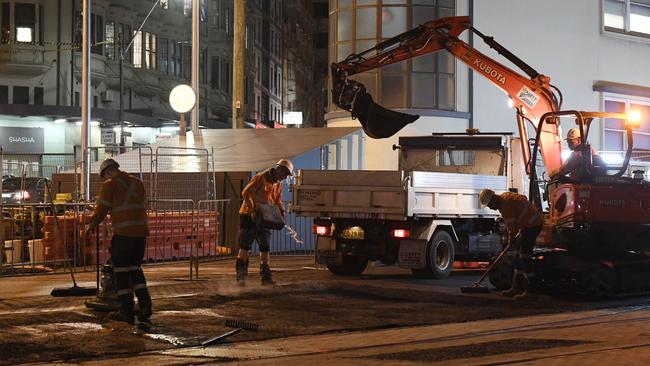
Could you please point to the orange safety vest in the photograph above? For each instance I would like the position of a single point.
(124, 197)
(261, 190)
(518, 213)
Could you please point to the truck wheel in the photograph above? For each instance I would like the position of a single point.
(352, 265)
(598, 282)
(502, 273)
(440, 257)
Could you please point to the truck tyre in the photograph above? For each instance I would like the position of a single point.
(440, 257)
(501, 274)
(352, 265)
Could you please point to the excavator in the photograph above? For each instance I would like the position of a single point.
(596, 236)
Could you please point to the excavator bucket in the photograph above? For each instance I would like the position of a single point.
(377, 121)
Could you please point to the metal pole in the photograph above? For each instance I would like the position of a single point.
(121, 65)
(85, 101)
(238, 53)
(194, 113)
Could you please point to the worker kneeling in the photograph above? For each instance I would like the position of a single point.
(265, 188)
(524, 222)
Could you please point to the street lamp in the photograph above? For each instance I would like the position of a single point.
(182, 99)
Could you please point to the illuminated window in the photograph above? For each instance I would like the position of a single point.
(614, 129)
(24, 34)
(627, 16)
(137, 49)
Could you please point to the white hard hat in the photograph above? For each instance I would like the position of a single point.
(107, 164)
(573, 134)
(287, 164)
(485, 196)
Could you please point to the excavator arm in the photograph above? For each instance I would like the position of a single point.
(532, 96)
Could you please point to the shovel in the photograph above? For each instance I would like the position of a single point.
(477, 287)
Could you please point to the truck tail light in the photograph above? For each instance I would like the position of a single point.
(320, 229)
(401, 233)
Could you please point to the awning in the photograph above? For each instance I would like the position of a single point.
(235, 150)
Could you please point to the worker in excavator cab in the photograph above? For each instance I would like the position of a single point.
(580, 166)
(524, 223)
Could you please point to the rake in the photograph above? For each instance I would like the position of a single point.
(477, 287)
(238, 325)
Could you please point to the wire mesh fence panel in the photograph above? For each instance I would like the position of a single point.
(171, 230)
(183, 173)
(208, 228)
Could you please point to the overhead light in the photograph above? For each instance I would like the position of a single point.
(94, 123)
(60, 120)
(511, 103)
(78, 123)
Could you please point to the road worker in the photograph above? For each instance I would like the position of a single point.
(524, 223)
(264, 187)
(123, 196)
(577, 166)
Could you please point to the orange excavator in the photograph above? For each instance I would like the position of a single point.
(597, 231)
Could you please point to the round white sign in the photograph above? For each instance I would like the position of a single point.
(182, 98)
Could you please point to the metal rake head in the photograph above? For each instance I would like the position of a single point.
(242, 324)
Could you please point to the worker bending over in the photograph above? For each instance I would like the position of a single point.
(583, 161)
(264, 187)
(524, 223)
(123, 196)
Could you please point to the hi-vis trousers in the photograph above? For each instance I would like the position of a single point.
(127, 253)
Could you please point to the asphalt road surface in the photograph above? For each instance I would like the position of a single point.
(306, 304)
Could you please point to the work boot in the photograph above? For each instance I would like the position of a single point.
(144, 303)
(517, 286)
(118, 316)
(265, 274)
(525, 294)
(241, 267)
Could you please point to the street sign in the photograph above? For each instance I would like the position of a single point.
(292, 118)
(108, 136)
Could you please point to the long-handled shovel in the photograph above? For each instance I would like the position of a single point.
(74, 290)
(477, 287)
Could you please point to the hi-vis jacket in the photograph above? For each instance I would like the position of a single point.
(261, 189)
(124, 197)
(518, 213)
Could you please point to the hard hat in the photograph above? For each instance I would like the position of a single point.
(485, 196)
(107, 164)
(287, 164)
(573, 134)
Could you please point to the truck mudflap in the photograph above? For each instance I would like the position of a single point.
(413, 253)
(326, 251)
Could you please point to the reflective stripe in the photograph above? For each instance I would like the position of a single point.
(121, 269)
(135, 268)
(139, 286)
(137, 206)
(126, 291)
(105, 203)
(130, 223)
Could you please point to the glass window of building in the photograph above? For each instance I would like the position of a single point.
(137, 49)
(427, 82)
(110, 40)
(25, 22)
(627, 16)
(163, 53)
(614, 129)
(21, 95)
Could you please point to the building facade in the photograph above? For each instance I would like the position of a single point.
(594, 53)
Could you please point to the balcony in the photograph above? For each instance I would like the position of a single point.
(22, 59)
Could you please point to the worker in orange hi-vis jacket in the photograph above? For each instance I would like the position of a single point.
(123, 196)
(524, 222)
(264, 187)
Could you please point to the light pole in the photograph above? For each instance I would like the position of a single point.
(85, 101)
(194, 116)
(182, 99)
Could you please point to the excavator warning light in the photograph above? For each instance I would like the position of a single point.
(634, 119)
(511, 103)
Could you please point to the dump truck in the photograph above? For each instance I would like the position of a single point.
(424, 216)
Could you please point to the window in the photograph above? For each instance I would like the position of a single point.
(214, 73)
(25, 22)
(110, 40)
(203, 75)
(187, 7)
(614, 129)
(6, 25)
(137, 49)
(96, 32)
(4, 94)
(38, 95)
(150, 51)
(21, 95)
(187, 62)
(627, 16)
(163, 48)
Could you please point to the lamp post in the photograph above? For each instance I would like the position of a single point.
(194, 116)
(85, 101)
(182, 99)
